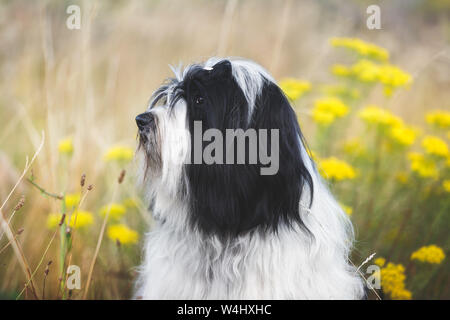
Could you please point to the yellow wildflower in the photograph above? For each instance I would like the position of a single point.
(326, 110)
(365, 71)
(294, 88)
(340, 70)
(393, 281)
(65, 146)
(403, 135)
(78, 219)
(116, 210)
(424, 167)
(119, 153)
(439, 119)
(435, 146)
(123, 234)
(375, 115)
(393, 76)
(401, 294)
(347, 209)
(322, 118)
(446, 185)
(430, 254)
(335, 169)
(361, 47)
(380, 261)
(72, 200)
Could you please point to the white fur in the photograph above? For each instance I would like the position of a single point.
(181, 263)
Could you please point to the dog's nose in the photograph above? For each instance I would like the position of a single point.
(144, 120)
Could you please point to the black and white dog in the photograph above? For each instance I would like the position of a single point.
(223, 229)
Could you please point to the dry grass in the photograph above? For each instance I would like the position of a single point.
(89, 84)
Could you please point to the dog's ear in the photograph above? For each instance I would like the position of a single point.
(222, 69)
(283, 190)
(232, 199)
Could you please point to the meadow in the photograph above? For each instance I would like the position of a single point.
(372, 104)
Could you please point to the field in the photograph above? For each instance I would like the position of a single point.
(372, 104)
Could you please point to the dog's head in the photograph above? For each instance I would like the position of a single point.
(222, 138)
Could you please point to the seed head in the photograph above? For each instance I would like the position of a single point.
(20, 203)
(122, 176)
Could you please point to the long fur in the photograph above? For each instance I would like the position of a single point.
(226, 231)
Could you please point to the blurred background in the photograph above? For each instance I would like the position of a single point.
(373, 106)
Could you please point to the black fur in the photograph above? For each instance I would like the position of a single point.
(228, 200)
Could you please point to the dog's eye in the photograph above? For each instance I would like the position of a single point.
(199, 100)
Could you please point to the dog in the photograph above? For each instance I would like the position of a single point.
(225, 230)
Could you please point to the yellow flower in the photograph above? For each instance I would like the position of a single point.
(123, 234)
(130, 203)
(340, 70)
(430, 254)
(403, 135)
(393, 76)
(116, 210)
(365, 71)
(401, 294)
(65, 146)
(294, 88)
(439, 119)
(361, 47)
(424, 167)
(435, 146)
(380, 261)
(335, 169)
(446, 185)
(393, 281)
(322, 117)
(374, 115)
(72, 200)
(78, 219)
(347, 209)
(326, 110)
(119, 153)
(354, 147)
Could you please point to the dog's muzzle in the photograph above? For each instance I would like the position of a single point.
(144, 121)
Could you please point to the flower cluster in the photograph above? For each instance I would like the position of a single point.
(374, 115)
(362, 48)
(72, 200)
(327, 110)
(439, 118)
(430, 254)
(294, 88)
(116, 211)
(393, 281)
(366, 71)
(335, 169)
(123, 234)
(435, 146)
(65, 146)
(119, 153)
(78, 219)
(423, 166)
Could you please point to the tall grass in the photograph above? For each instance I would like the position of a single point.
(84, 87)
